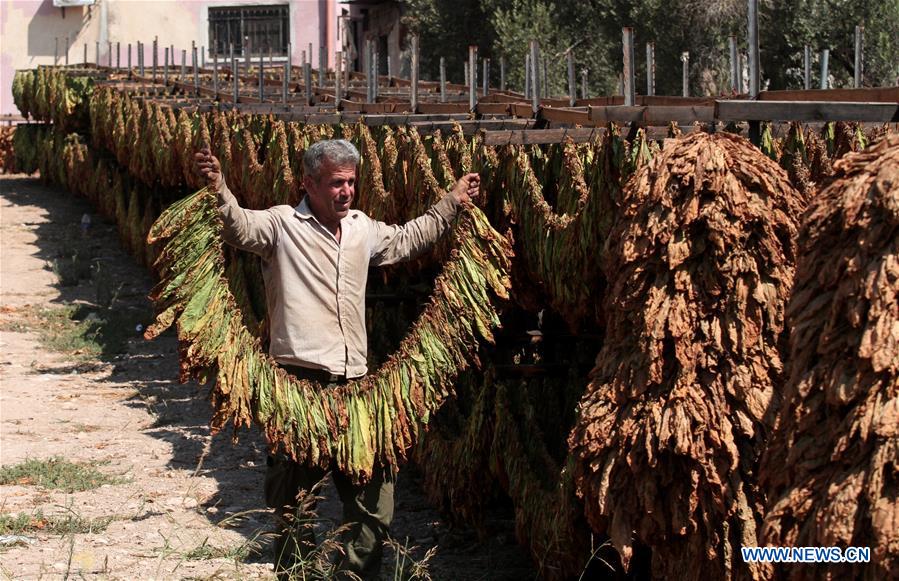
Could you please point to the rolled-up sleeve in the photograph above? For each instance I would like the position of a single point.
(255, 231)
(391, 244)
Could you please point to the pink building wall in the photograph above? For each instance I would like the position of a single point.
(28, 29)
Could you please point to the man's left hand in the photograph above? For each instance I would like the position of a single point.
(466, 188)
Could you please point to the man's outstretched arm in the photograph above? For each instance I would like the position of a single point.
(251, 230)
(392, 244)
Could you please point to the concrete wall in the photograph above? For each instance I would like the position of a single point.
(28, 29)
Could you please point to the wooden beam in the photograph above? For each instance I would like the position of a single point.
(538, 136)
(875, 95)
(521, 110)
(444, 108)
(805, 111)
(569, 116)
(615, 114)
(472, 127)
(485, 108)
(405, 119)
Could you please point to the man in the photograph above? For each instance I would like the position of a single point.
(315, 266)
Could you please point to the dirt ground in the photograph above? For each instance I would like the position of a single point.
(184, 496)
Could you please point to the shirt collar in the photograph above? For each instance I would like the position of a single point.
(303, 210)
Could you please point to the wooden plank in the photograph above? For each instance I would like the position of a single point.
(538, 136)
(652, 115)
(332, 119)
(406, 118)
(446, 108)
(569, 116)
(471, 127)
(521, 110)
(615, 114)
(666, 101)
(869, 95)
(663, 115)
(805, 111)
(493, 108)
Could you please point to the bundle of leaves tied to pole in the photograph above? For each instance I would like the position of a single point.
(699, 265)
(832, 467)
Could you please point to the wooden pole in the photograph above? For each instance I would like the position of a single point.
(129, 60)
(486, 76)
(376, 71)
(56, 51)
(235, 79)
(118, 54)
(734, 71)
(414, 89)
(859, 55)
(366, 64)
(322, 66)
(545, 76)
(807, 67)
(502, 74)
(165, 67)
(473, 77)
(442, 80)
(231, 54)
(108, 54)
(825, 61)
(140, 57)
(629, 75)
(754, 71)
(193, 62)
(465, 73)
(584, 84)
(535, 77)
(285, 81)
(155, 49)
(67, 50)
(338, 79)
(572, 84)
(85, 54)
(202, 57)
(650, 68)
(346, 72)
(261, 77)
(527, 75)
(685, 59)
(183, 72)
(289, 62)
(97, 53)
(247, 56)
(215, 73)
(307, 80)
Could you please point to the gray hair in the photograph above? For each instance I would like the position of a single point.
(336, 152)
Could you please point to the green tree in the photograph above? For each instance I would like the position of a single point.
(446, 28)
(788, 25)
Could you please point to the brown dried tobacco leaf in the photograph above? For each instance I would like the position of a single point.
(832, 467)
(699, 263)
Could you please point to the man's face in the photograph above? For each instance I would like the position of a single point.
(331, 194)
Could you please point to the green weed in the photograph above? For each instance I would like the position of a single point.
(56, 473)
(65, 524)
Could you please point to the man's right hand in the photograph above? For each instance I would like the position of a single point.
(207, 166)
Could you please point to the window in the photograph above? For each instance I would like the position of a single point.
(252, 29)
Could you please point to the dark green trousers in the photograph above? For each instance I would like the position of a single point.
(367, 509)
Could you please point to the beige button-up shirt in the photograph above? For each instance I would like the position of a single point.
(315, 285)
